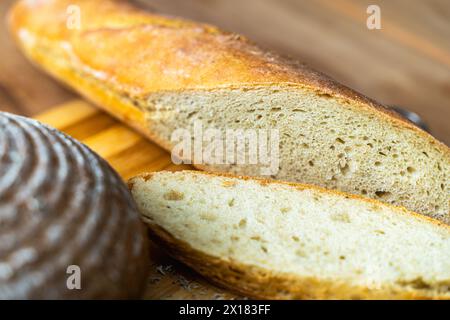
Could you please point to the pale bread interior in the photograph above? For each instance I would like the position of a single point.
(304, 233)
(323, 141)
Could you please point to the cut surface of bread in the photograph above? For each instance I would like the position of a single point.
(321, 142)
(277, 240)
(159, 74)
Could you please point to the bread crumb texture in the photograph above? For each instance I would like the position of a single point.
(322, 142)
(295, 232)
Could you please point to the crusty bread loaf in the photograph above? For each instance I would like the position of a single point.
(276, 240)
(159, 74)
(65, 214)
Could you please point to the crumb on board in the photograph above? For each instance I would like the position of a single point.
(194, 288)
(154, 279)
(163, 270)
(186, 284)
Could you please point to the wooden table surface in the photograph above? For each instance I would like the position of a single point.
(406, 63)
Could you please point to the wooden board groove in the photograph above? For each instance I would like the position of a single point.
(130, 154)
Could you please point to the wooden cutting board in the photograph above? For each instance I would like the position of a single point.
(129, 154)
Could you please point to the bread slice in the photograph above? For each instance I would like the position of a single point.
(278, 240)
(159, 74)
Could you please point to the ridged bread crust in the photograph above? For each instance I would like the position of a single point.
(257, 282)
(121, 58)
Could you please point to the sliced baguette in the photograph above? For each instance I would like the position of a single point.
(159, 74)
(279, 240)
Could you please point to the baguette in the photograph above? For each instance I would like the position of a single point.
(275, 240)
(158, 74)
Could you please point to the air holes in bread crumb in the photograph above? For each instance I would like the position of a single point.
(410, 169)
(377, 163)
(242, 223)
(345, 169)
(295, 238)
(191, 114)
(208, 216)
(382, 194)
(231, 202)
(173, 195)
(340, 140)
(285, 210)
(311, 163)
(340, 217)
(264, 249)
(301, 253)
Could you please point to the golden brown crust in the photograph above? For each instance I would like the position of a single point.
(259, 283)
(137, 53)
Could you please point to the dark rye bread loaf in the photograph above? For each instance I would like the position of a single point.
(61, 205)
(159, 74)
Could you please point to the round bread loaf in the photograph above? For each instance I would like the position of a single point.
(68, 225)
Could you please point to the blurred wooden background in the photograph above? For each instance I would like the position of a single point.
(406, 63)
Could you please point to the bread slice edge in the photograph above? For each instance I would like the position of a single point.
(258, 282)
